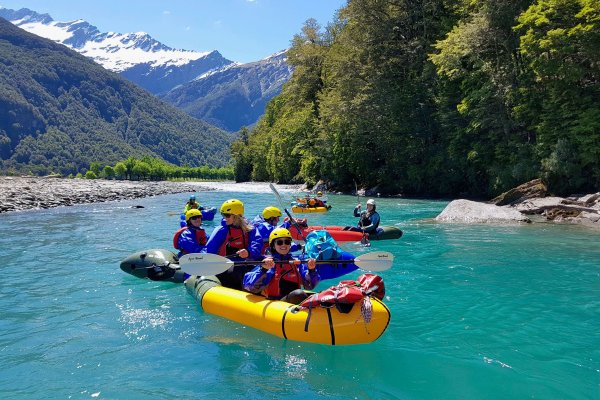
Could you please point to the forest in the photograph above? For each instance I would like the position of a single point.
(60, 112)
(437, 98)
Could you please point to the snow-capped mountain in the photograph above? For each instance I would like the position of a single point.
(137, 56)
(205, 84)
(235, 95)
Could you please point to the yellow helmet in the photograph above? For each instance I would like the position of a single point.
(319, 193)
(192, 213)
(279, 233)
(232, 206)
(271, 212)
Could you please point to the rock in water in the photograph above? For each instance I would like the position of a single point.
(466, 211)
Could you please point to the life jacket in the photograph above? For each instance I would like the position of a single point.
(287, 277)
(365, 220)
(200, 237)
(235, 240)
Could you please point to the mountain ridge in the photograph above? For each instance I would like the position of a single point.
(60, 111)
(159, 68)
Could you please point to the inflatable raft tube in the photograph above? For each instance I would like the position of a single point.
(299, 209)
(386, 232)
(340, 235)
(326, 325)
(208, 214)
(154, 264)
(383, 232)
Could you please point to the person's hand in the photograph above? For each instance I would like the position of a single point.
(268, 263)
(312, 263)
(243, 253)
(358, 205)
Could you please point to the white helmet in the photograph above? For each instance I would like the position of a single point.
(371, 201)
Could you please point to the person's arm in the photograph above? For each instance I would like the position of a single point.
(357, 210)
(187, 242)
(310, 276)
(216, 240)
(374, 223)
(255, 244)
(258, 279)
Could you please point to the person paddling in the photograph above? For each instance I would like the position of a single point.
(190, 238)
(192, 204)
(279, 279)
(266, 222)
(369, 219)
(237, 240)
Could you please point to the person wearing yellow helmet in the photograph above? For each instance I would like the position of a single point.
(280, 276)
(236, 239)
(269, 220)
(190, 238)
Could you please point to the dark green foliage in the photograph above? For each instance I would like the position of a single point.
(438, 98)
(60, 112)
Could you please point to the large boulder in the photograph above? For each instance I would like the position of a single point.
(467, 211)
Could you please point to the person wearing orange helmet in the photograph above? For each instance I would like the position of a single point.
(281, 277)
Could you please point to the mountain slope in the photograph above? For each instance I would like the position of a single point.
(233, 96)
(207, 85)
(59, 111)
(137, 56)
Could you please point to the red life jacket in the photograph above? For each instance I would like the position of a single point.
(200, 237)
(235, 240)
(290, 276)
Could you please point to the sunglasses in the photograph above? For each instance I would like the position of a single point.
(281, 242)
(225, 215)
(196, 217)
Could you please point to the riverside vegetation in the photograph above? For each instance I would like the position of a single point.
(420, 98)
(438, 98)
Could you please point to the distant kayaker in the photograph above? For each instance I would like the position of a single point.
(277, 278)
(237, 240)
(369, 218)
(192, 204)
(191, 238)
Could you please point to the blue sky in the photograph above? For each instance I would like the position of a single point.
(241, 30)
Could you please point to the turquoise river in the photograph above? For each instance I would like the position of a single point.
(478, 312)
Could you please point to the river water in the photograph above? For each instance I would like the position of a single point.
(478, 312)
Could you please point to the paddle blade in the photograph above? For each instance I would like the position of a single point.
(204, 264)
(375, 261)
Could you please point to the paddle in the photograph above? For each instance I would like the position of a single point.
(212, 264)
(364, 240)
(294, 222)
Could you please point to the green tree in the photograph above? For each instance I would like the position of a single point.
(560, 93)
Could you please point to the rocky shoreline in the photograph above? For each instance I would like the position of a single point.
(25, 193)
(529, 202)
